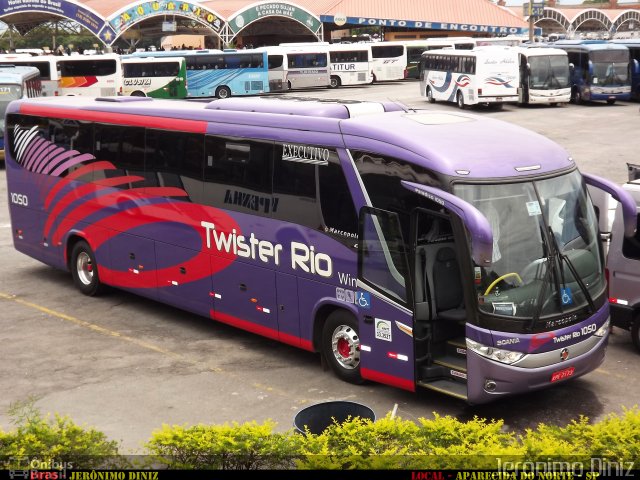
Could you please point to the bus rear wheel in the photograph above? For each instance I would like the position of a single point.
(84, 269)
(341, 346)
(223, 92)
(138, 93)
(430, 95)
(460, 101)
(335, 82)
(611, 101)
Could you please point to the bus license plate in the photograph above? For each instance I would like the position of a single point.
(562, 374)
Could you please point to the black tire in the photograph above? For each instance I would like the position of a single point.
(341, 346)
(138, 93)
(460, 100)
(497, 106)
(334, 82)
(577, 97)
(223, 92)
(635, 332)
(289, 85)
(610, 101)
(84, 269)
(430, 95)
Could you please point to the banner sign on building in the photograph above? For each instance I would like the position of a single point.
(251, 14)
(70, 10)
(425, 25)
(133, 15)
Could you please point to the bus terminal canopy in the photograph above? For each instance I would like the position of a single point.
(108, 20)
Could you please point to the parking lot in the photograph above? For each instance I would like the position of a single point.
(126, 365)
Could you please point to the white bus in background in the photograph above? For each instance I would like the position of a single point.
(415, 48)
(458, 43)
(389, 61)
(307, 65)
(544, 76)
(351, 64)
(91, 76)
(484, 75)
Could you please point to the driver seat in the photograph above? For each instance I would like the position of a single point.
(449, 299)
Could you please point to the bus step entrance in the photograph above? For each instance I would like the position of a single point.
(448, 387)
(447, 372)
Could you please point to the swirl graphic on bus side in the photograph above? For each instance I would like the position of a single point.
(498, 81)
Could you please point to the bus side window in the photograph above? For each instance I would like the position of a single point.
(124, 148)
(294, 185)
(174, 159)
(70, 135)
(238, 174)
(338, 210)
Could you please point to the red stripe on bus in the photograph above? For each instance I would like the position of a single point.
(83, 170)
(387, 379)
(192, 126)
(262, 330)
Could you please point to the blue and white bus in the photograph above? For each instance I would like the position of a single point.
(222, 74)
(633, 44)
(367, 233)
(16, 82)
(599, 70)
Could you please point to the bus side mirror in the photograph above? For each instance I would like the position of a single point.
(629, 211)
(590, 68)
(572, 67)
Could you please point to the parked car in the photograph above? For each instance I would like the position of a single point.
(623, 267)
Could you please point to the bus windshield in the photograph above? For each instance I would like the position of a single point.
(7, 94)
(549, 72)
(610, 67)
(546, 260)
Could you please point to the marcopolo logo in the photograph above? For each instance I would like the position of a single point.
(383, 330)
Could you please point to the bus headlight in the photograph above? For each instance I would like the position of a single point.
(497, 354)
(602, 331)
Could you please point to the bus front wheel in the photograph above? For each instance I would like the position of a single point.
(223, 92)
(460, 100)
(610, 101)
(635, 332)
(138, 93)
(335, 82)
(341, 346)
(84, 269)
(430, 95)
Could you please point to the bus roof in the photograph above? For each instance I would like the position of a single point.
(541, 50)
(456, 144)
(17, 74)
(589, 45)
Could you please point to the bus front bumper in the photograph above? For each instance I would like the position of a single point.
(489, 380)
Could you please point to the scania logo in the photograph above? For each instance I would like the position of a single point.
(564, 354)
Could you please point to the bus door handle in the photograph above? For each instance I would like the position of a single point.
(243, 287)
(368, 319)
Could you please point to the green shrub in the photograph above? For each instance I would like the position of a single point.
(56, 439)
(239, 447)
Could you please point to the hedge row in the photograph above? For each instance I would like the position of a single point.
(389, 443)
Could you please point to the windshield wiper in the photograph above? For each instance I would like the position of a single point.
(551, 270)
(564, 258)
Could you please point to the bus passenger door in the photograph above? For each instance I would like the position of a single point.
(383, 298)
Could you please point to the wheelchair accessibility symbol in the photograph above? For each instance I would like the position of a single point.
(363, 300)
(566, 297)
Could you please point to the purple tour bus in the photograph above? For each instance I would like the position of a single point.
(418, 249)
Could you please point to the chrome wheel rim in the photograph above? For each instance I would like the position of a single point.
(345, 345)
(84, 267)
